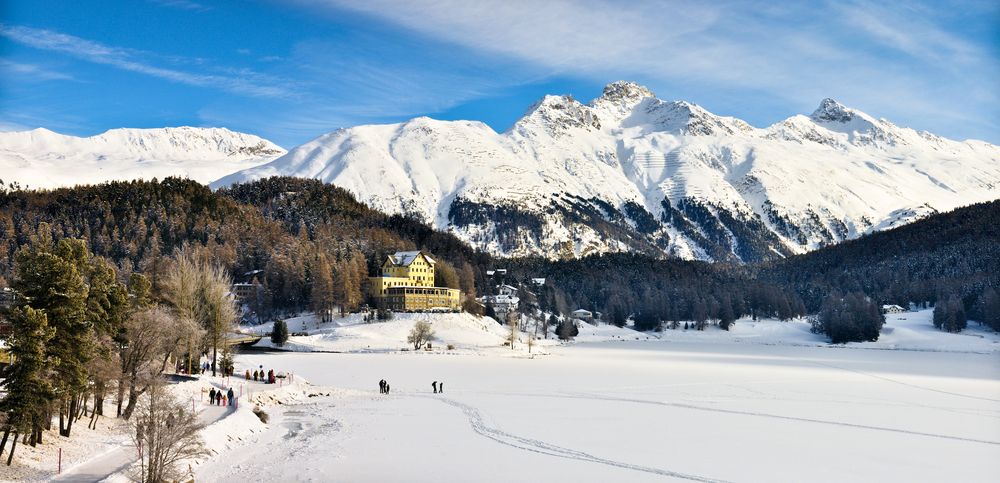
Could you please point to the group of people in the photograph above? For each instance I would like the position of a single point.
(259, 375)
(383, 387)
(219, 398)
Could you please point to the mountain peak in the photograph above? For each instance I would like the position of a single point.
(625, 90)
(830, 110)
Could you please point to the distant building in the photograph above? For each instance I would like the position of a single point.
(498, 272)
(407, 284)
(504, 302)
(243, 292)
(538, 281)
(892, 309)
(7, 298)
(584, 315)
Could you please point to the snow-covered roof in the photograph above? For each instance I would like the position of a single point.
(538, 281)
(582, 312)
(406, 258)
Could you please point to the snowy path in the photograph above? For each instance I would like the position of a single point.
(534, 445)
(121, 457)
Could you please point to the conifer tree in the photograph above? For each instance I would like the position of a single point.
(279, 333)
(27, 391)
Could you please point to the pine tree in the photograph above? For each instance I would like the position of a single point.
(50, 279)
(26, 381)
(279, 333)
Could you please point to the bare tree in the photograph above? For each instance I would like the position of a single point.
(512, 323)
(199, 291)
(166, 434)
(420, 334)
(153, 335)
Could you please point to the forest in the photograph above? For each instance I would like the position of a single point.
(311, 245)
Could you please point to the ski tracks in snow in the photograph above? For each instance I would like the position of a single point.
(527, 444)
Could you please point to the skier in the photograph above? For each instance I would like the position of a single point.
(230, 394)
(211, 396)
(434, 385)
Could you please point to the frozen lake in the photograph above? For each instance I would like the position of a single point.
(635, 411)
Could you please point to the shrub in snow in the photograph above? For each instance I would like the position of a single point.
(279, 333)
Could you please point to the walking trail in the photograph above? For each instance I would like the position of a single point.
(120, 458)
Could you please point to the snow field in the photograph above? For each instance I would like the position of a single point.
(769, 401)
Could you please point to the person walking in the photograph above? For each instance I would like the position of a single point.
(381, 386)
(387, 388)
(231, 395)
(248, 375)
(440, 387)
(434, 385)
(211, 396)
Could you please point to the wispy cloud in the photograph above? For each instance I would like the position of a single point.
(182, 4)
(244, 82)
(31, 71)
(795, 52)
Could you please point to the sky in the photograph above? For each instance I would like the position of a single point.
(292, 70)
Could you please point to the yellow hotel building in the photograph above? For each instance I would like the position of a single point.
(407, 285)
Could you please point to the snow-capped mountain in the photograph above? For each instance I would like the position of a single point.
(44, 159)
(629, 171)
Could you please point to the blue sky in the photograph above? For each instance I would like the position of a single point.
(292, 70)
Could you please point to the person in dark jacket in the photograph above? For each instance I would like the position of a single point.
(440, 387)
(230, 396)
(434, 385)
(218, 398)
(211, 396)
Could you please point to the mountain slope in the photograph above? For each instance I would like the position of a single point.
(630, 172)
(44, 159)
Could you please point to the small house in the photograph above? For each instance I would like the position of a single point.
(892, 309)
(584, 315)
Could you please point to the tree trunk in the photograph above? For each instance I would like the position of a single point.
(3, 443)
(215, 353)
(62, 419)
(72, 412)
(121, 396)
(13, 445)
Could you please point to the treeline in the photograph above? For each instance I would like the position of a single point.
(954, 255)
(309, 246)
(301, 236)
(655, 292)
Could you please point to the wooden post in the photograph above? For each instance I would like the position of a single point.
(59, 469)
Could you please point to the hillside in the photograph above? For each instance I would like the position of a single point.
(631, 172)
(44, 159)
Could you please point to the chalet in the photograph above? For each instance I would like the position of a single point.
(584, 315)
(892, 309)
(407, 284)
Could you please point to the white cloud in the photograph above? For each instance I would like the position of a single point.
(798, 53)
(182, 4)
(243, 82)
(31, 71)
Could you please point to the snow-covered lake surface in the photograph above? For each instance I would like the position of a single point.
(660, 410)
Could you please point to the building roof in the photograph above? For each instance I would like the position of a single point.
(582, 312)
(406, 258)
